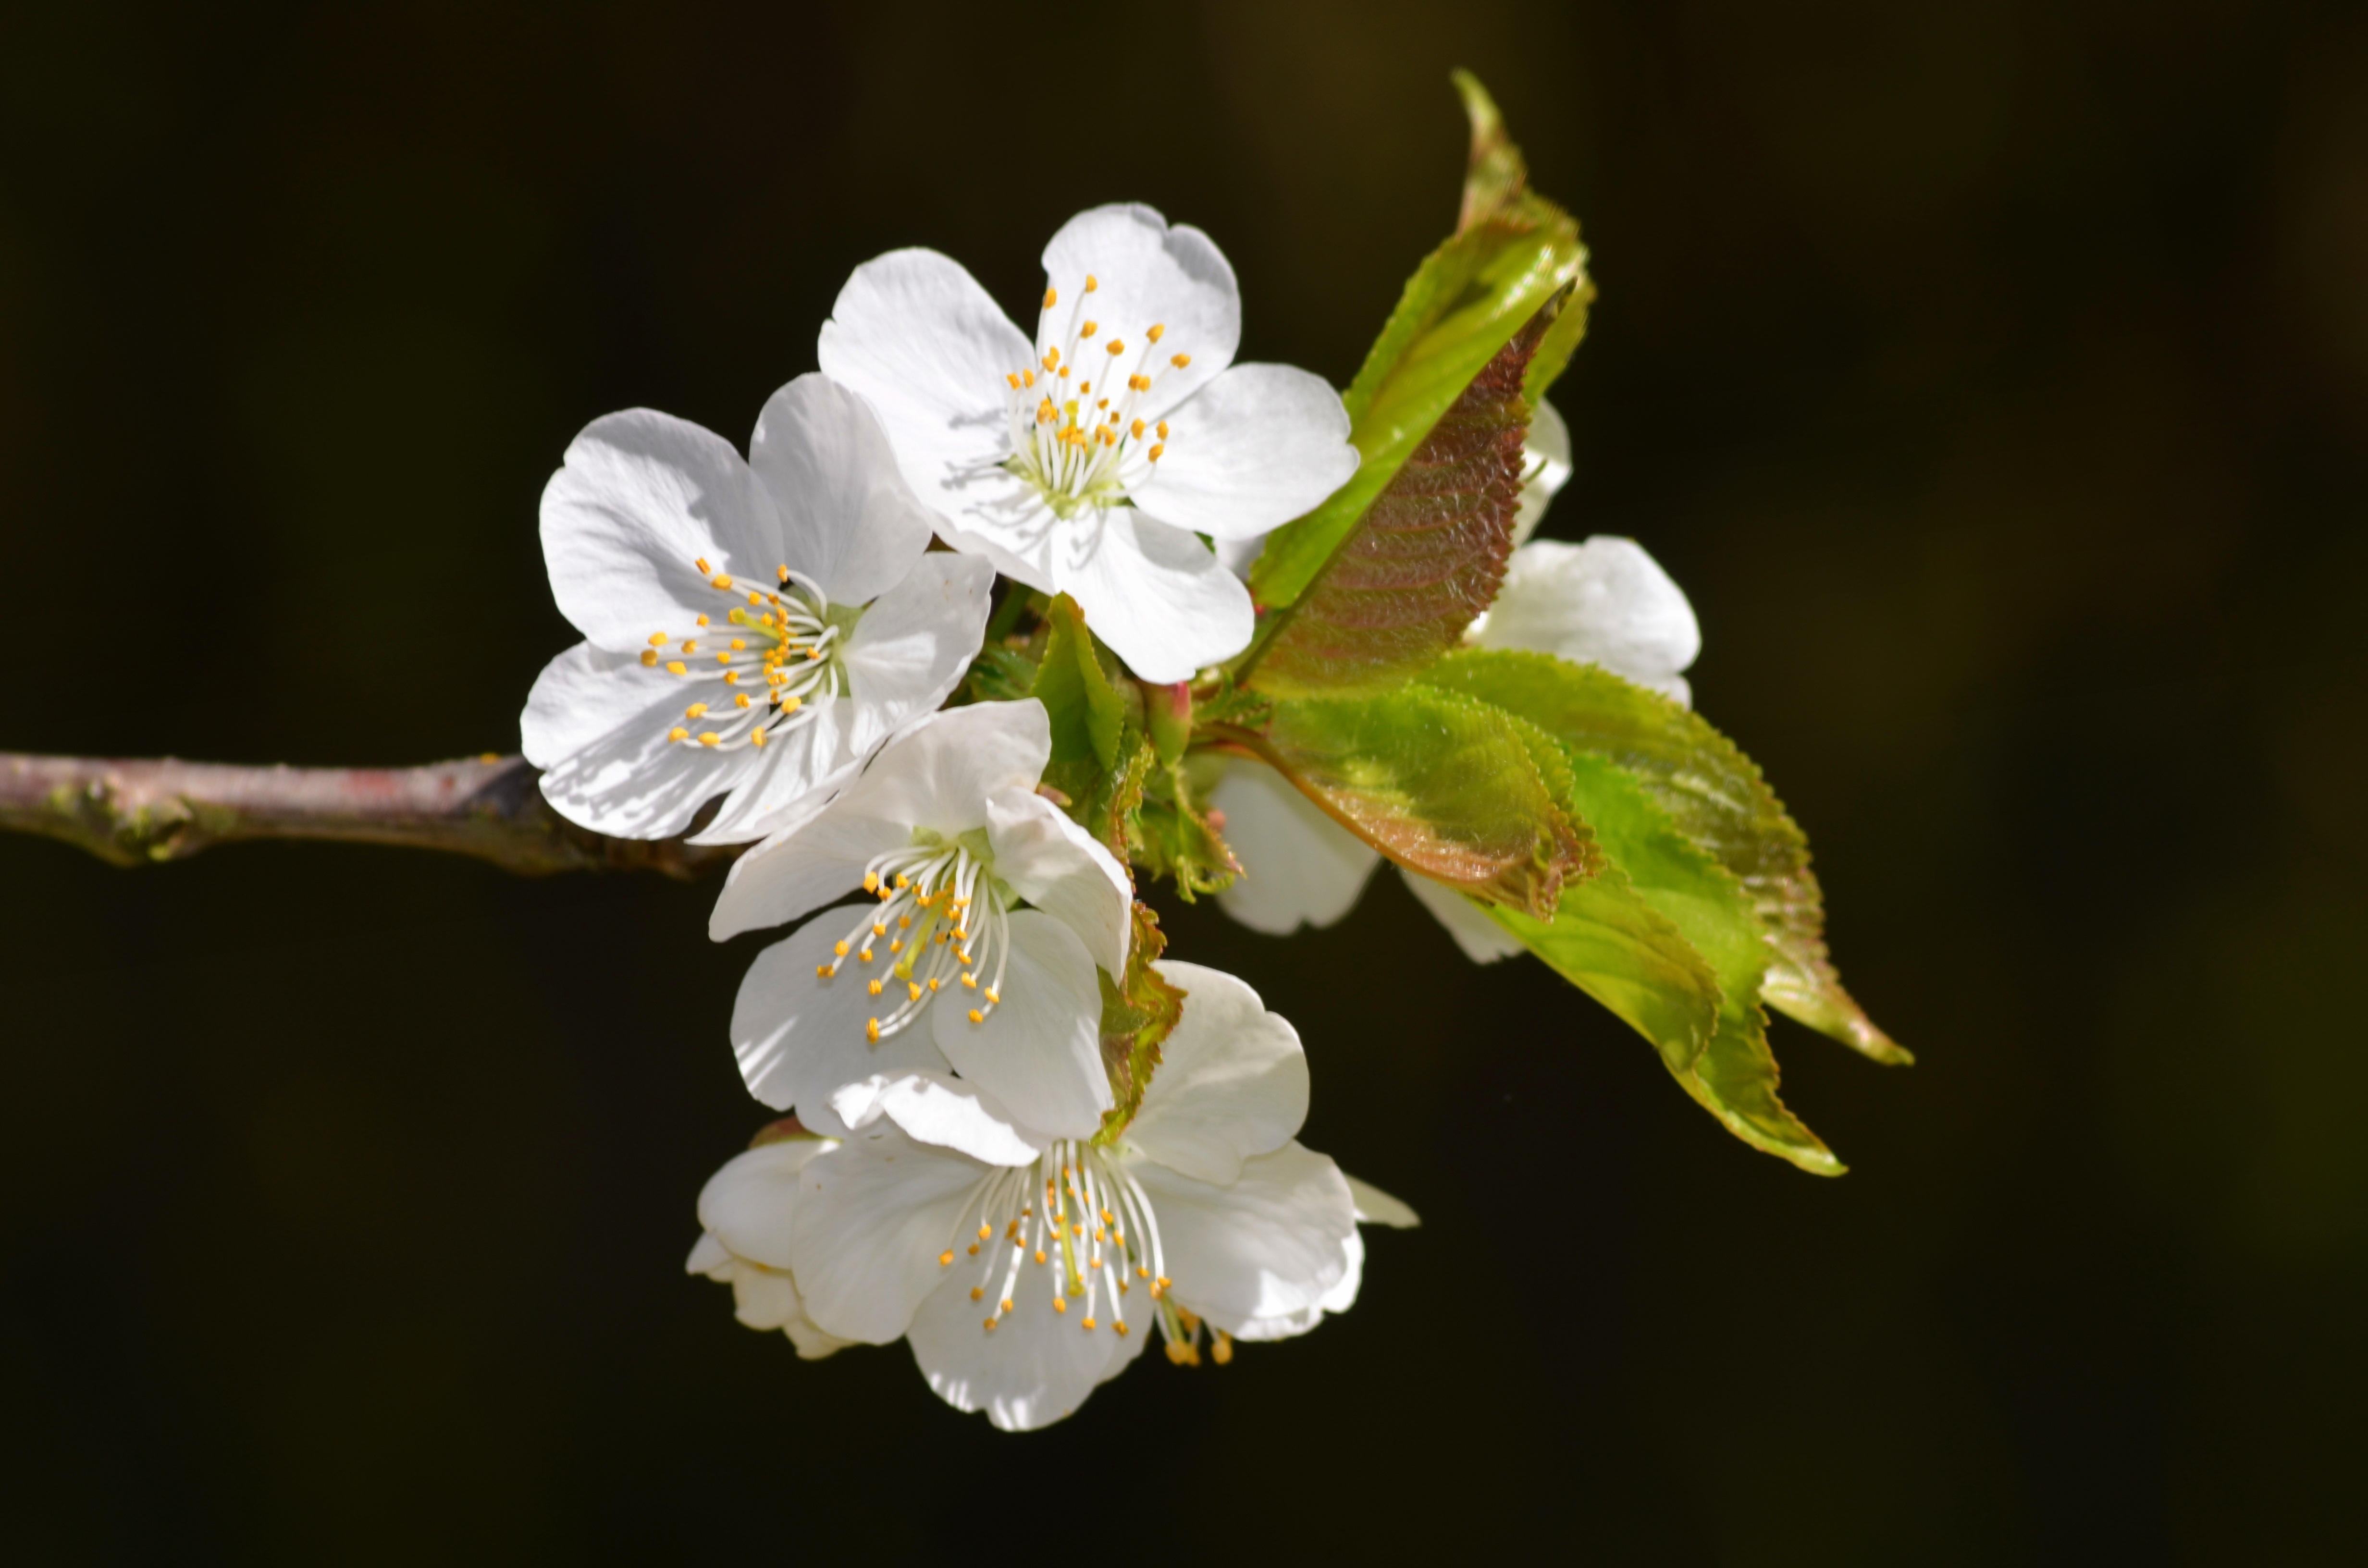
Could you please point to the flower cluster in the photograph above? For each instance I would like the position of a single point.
(991, 618)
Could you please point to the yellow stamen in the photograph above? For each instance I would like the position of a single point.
(1156, 333)
(649, 658)
(676, 668)
(1052, 298)
(711, 739)
(677, 733)
(1180, 361)
(657, 639)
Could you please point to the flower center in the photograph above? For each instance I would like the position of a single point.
(775, 655)
(1075, 435)
(1077, 1214)
(931, 894)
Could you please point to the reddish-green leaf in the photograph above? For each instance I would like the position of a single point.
(1428, 555)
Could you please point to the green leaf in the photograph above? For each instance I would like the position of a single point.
(1427, 556)
(1169, 833)
(1714, 794)
(1078, 693)
(1734, 1077)
(1441, 785)
(1139, 1012)
(1466, 302)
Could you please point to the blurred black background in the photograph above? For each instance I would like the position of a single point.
(1995, 378)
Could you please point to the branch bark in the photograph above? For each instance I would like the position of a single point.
(132, 812)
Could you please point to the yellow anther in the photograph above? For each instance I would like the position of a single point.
(657, 639)
(903, 880)
(870, 882)
(740, 700)
(1006, 1305)
(1155, 449)
(866, 954)
(791, 704)
(813, 652)
(693, 647)
(782, 572)
(978, 1292)
(1135, 430)
(1118, 346)
(1039, 1254)
(1052, 298)
(896, 946)
(704, 567)
(991, 997)
(971, 981)
(694, 710)
(1060, 1304)
(732, 677)
(912, 991)
(701, 619)
(1156, 333)
(875, 988)
(1062, 372)
(676, 668)
(1027, 378)
(756, 601)
(1051, 357)
(1092, 283)
(1046, 413)
(933, 987)
(946, 1258)
(840, 947)
(1087, 1325)
(738, 642)
(1180, 360)
(990, 1326)
(903, 922)
(1143, 1271)
(976, 1017)
(984, 1232)
(724, 581)
(972, 1250)
(1223, 1352)
(724, 658)
(1118, 1328)
(756, 738)
(823, 971)
(677, 733)
(1013, 378)
(649, 658)
(871, 1031)
(1163, 430)
(711, 739)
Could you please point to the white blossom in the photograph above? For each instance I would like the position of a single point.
(753, 629)
(1084, 457)
(745, 1212)
(988, 912)
(1025, 1269)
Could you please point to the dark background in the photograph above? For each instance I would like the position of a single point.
(1993, 377)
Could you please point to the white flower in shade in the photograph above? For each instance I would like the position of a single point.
(1026, 1269)
(752, 629)
(745, 1212)
(988, 913)
(1084, 458)
(1604, 602)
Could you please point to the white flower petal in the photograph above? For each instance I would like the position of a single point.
(596, 723)
(1338, 1298)
(1056, 865)
(874, 1216)
(746, 1205)
(1268, 1244)
(798, 1037)
(1482, 939)
(1232, 1082)
(1034, 1367)
(708, 1257)
(1258, 446)
(1038, 1051)
(1146, 274)
(798, 765)
(1156, 595)
(1605, 602)
(1299, 865)
(815, 859)
(642, 498)
(813, 1343)
(846, 518)
(1005, 521)
(941, 1110)
(940, 774)
(1375, 1207)
(1545, 458)
(913, 646)
(915, 337)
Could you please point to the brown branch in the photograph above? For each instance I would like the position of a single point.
(129, 813)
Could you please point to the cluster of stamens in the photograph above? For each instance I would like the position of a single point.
(941, 924)
(1077, 446)
(772, 659)
(1078, 1214)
